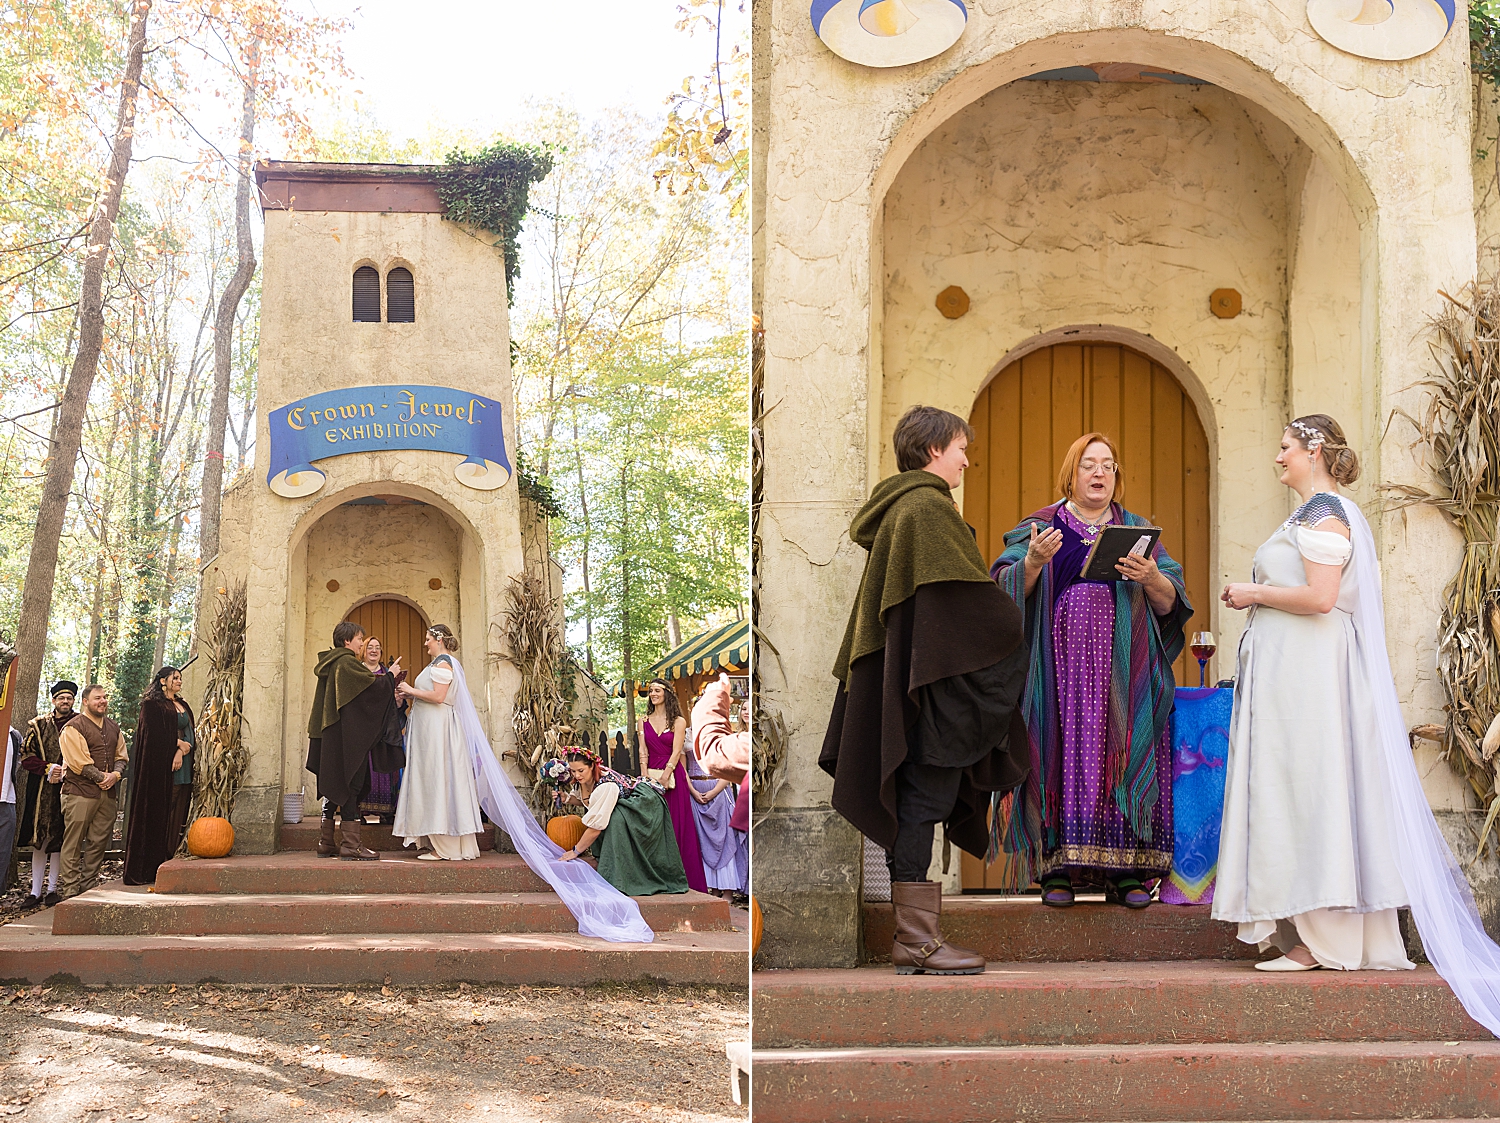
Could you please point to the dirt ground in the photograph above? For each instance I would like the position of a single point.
(246, 1053)
(194, 1054)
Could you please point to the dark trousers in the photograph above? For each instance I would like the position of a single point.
(351, 814)
(925, 795)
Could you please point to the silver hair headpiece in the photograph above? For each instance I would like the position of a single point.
(1313, 437)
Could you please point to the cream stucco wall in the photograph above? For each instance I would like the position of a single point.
(1392, 138)
(287, 548)
(370, 550)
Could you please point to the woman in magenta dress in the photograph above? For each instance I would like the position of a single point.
(662, 731)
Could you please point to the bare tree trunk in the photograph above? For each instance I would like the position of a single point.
(41, 568)
(588, 602)
(635, 740)
(674, 629)
(163, 614)
(234, 292)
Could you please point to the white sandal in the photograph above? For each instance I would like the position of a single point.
(1286, 963)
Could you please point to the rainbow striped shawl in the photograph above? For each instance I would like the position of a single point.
(1141, 694)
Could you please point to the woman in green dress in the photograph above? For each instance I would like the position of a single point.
(628, 826)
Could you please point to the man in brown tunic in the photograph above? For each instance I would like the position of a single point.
(94, 756)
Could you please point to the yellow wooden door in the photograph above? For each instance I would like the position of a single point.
(400, 629)
(1029, 414)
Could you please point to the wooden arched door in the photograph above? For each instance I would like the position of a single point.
(1029, 414)
(400, 628)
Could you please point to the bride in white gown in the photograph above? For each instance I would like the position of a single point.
(452, 771)
(439, 803)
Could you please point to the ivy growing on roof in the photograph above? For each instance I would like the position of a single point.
(490, 189)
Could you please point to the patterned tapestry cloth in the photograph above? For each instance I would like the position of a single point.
(1200, 748)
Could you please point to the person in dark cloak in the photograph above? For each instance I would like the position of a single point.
(925, 724)
(354, 727)
(161, 782)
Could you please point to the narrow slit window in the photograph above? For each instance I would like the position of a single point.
(366, 295)
(400, 297)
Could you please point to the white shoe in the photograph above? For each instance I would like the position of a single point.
(1285, 963)
(428, 857)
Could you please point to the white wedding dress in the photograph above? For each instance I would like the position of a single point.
(1306, 851)
(439, 802)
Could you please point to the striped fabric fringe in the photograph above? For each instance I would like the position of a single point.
(1025, 823)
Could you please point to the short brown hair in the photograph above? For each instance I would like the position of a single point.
(346, 630)
(444, 633)
(1342, 463)
(1068, 473)
(88, 690)
(923, 429)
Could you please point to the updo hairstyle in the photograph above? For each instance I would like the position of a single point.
(444, 633)
(1342, 463)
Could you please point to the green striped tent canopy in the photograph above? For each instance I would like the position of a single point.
(725, 648)
(618, 689)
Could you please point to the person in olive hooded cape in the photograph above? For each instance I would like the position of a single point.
(354, 727)
(925, 724)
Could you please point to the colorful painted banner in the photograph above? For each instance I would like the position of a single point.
(1200, 751)
(367, 419)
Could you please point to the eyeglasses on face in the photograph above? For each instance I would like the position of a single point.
(1089, 467)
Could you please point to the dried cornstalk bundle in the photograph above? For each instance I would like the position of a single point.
(221, 753)
(536, 648)
(1459, 430)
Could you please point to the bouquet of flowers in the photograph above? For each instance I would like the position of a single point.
(555, 772)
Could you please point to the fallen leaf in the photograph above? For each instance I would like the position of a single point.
(348, 999)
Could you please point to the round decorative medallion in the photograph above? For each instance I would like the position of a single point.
(1386, 30)
(888, 32)
(333, 586)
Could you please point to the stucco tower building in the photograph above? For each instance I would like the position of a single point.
(382, 489)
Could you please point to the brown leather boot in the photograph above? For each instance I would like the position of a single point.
(919, 948)
(349, 848)
(326, 846)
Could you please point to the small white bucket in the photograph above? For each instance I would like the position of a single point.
(291, 807)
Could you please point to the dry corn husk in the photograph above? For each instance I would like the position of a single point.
(222, 757)
(1459, 432)
(534, 645)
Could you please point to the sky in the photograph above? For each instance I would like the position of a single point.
(474, 64)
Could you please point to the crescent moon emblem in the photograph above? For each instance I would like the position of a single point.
(888, 32)
(1386, 30)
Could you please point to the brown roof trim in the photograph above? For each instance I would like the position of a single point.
(371, 188)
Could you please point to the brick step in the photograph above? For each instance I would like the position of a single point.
(1103, 1004)
(1129, 1083)
(30, 953)
(302, 872)
(117, 910)
(1022, 928)
(375, 836)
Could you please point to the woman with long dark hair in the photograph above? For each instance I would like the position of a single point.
(662, 732)
(161, 779)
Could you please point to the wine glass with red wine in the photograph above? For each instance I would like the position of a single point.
(1203, 648)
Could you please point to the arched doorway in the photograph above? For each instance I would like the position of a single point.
(1027, 416)
(400, 627)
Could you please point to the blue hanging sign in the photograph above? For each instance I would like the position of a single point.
(365, 419)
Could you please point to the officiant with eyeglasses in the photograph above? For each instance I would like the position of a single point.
(1096, 808)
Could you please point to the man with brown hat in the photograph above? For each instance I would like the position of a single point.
(39, 815)
(94, 758)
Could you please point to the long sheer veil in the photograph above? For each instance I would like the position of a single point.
(600, 909)
(1441, 901)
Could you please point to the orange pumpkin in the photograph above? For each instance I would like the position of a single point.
(210, 837)
(757, 926)
(565, 830)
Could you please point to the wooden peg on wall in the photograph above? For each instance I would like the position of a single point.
(1224, 303)
(952, 302)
